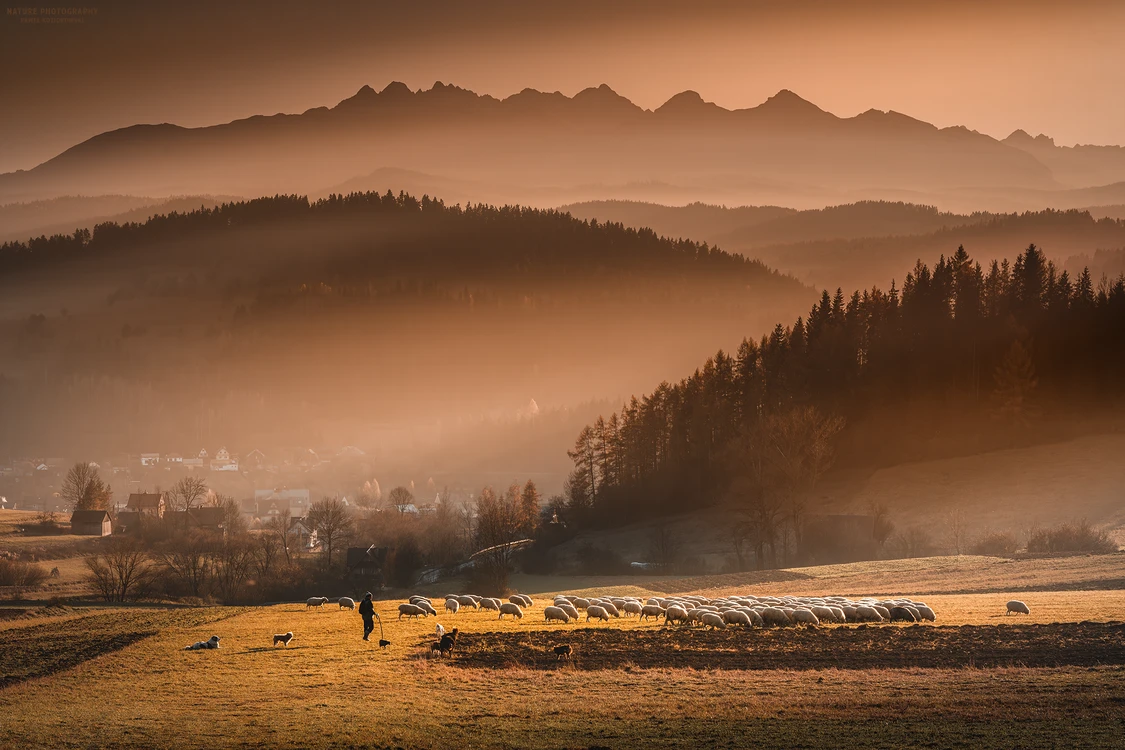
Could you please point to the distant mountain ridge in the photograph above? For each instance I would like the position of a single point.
(785, 145)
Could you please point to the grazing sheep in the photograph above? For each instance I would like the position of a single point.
(492, 604)
(555, 613)
(805, 616)
(410, 610)
(776, 617)
(632, 608)
(736, 617)
(427, 608)
(902, 614)
(569, 609)
(580, 603)
(417, 598)
(883, 611)
(867, 614)
(212, 642)
(598, 611)
(824, 614)
(563, 652)
(925, 613)
(676, 613)
(507, 608)
(466, 601)
(520, 599)
(755, 618)
(283, 638)
(316, 602)
(452, 605)
(1017, 607)
(712, 620)
(439, 630)
(652, 610)
(608, 607)
(346, 602)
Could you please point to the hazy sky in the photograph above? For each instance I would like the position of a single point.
(1056, 68)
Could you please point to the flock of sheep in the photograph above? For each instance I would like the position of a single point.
(421, 606)
(746, 610)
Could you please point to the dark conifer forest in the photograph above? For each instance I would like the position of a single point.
(991, 356)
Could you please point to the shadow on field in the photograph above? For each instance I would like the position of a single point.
(48, 648)
(278, 649)
(1084, 644)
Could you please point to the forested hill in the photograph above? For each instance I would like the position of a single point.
(260, 322)
(959, 360)
(421, 235)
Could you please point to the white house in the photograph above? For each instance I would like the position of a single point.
(272, 502)
(223, 461)
(196, 462)
(150, 459)
(173, 458)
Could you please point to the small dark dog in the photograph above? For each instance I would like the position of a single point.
(384, 643)
(563, 652)
(283, 638)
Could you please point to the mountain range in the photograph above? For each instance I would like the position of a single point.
(595, 144)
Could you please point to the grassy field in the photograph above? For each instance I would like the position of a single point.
(331, 689)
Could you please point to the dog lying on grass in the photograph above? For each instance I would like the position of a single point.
(212, 642)
(283, 638)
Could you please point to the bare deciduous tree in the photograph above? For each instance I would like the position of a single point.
(83, 489)
(400, 498)
(120, 571)
(332, 522)
(189, 492)
(957, 528)
(498, 525)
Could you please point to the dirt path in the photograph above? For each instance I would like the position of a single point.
(1066, 644)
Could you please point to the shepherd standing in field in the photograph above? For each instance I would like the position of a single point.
(367, 610)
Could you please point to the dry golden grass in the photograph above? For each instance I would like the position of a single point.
(330, 689)
(924, 577)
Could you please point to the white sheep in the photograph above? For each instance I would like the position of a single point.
(925, 612)
(520, 599)
(632, 608)
(346, 602)
(1018, 607)
(555, 613)
(736, 617)
(467, 601)
(452, 605)
(580, 603)
(569, 609)
(608, 607)
(775, 616)
(864, 613)
(652, 610)
(439, 630)
(410, 610)
(493, 604)
(676, 613)
(805, 616)
(508, 608)
(711, 620)
(598, 611)
(316, 602)
(427, 607)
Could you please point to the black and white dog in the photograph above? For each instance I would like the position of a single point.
(213, 642)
